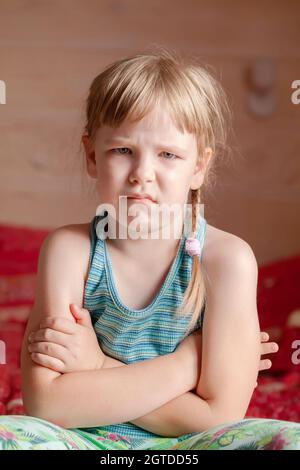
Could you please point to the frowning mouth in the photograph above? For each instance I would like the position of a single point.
(142, 200)
(140, 197)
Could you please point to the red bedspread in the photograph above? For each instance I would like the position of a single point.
(278, 393)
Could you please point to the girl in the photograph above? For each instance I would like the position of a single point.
(118, 353)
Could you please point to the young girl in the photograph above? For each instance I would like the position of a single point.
(146, 342)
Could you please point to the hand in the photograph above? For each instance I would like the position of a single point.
(67, 345)
(267, 347)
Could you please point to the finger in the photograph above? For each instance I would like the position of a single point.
(268, 348)
(50, 336)
(82, 315)
(58, 323)
(50, 349)
(265, 364)
(47, 361)
(264, 336)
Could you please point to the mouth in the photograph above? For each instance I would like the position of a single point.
(143, 200)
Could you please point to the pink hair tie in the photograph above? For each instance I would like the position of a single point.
(192, 246)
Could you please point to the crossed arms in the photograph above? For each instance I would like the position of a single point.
(155, 394)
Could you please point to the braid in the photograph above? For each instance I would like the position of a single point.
(194, 297)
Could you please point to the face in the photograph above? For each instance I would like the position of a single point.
(149, 156)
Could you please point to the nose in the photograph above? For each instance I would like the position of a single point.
(142, 171)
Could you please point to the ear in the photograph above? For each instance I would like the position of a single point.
(200, 169)
(90, 156)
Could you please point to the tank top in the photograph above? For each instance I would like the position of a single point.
(135, 335)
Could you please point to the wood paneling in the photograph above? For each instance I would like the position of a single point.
(51, 50)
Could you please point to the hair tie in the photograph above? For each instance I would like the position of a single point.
(192, 246)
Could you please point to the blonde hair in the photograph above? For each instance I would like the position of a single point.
(130, 87)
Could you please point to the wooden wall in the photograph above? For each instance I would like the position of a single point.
(51, 50)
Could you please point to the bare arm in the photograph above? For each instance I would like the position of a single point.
(116, 395)
(174, 418)
(55, 290)
(231, 337)
(233, 347)
(88, 398)
(175, 415)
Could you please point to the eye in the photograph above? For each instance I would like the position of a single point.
(175, 156)
(126, 148)
(122, 148)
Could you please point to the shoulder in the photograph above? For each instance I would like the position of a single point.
(68, 244)
(77, 233)
(62, 264)
(226, 253)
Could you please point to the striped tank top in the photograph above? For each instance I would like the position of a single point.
(135, 335)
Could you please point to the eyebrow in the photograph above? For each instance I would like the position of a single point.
(126, 139)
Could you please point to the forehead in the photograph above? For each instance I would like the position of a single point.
(157, 127)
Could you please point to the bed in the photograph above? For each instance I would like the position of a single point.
(277, 395)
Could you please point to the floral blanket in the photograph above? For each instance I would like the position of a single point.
(27, 433)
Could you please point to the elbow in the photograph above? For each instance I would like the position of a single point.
(41, 405)
(225, 414)
(226, 418)
(35, 410)
(45, 413)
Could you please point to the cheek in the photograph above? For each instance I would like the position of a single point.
(114, 171)
(110, 184)
(175, 183)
